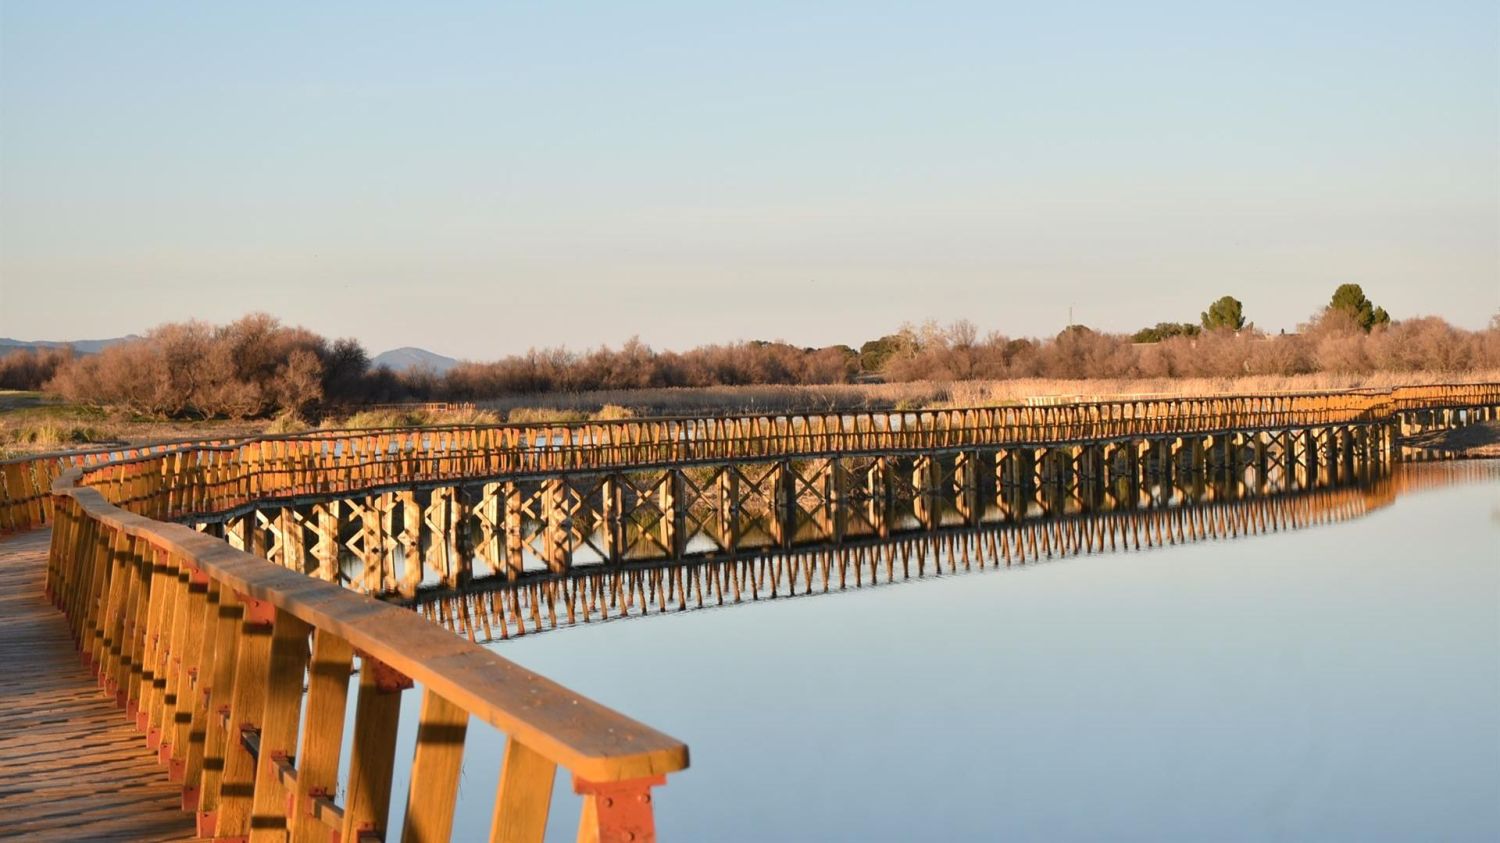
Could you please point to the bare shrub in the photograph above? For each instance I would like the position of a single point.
(30, 368)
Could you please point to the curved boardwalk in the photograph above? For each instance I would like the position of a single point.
(71, 767)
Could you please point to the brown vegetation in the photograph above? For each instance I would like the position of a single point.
(31, 368)
(258, 368)
(252, 368)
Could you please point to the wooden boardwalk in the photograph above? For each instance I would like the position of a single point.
(71, 767)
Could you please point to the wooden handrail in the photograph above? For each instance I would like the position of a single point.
(113, 571)
(198, 481)
(498, 449)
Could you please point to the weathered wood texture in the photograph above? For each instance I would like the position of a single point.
(71, 766)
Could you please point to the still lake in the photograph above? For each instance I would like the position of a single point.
(1339, 682)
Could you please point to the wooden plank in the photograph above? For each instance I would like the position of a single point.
(71, 765)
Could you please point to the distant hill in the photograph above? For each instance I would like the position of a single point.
(80, 346)
(408, 358)
(397, 359)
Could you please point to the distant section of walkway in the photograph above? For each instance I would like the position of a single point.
(71, 767)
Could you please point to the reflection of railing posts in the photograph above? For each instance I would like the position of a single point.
(460, 544)
(821, 564)
(878, 491)
(556, 544)
(410, 541)
(1260, 457)
(783, 480)
(513, 530)
(612, 513)
(1350, 446)
(835, 494)
(727, 508)
(966, 480)
(674, 506)
(924, 491)
(1327, 455)
(491, 516)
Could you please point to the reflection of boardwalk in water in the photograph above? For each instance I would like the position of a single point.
(497, 608)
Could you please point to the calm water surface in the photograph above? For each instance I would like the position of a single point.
(1336, 683)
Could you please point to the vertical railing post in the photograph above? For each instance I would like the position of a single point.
(322, 739)
(192, 712)
(247, 701)
(216, 696)
(278, 725)
(377, 713)
(524, 796)
(434, 770)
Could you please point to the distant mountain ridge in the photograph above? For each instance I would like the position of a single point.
(407, 358)
(80, 346)
(404, 359)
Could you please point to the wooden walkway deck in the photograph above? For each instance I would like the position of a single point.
(71, 767)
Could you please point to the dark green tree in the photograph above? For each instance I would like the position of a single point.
(874, 354)
(1227, 312)
(1166, 330)
(1350, 299)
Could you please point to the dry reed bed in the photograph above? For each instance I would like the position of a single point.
(932, 394)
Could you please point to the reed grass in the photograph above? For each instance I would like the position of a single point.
(580, 406)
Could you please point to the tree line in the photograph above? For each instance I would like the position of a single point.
(257, 367)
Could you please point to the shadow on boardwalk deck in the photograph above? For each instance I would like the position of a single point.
(71, 767)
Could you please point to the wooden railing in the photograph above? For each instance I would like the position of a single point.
(200, 480)
(175, 482)
(207, 647)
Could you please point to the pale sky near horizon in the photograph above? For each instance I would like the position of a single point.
(478, 179)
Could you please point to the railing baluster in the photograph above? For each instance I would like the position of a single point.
(247, 701)
(278, 725)
(524, 796)
(377, 713)
(199, 667)
(217, 696)
(323, 736)
(434, 770)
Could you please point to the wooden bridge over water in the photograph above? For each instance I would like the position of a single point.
(213, 638)
(498, 607)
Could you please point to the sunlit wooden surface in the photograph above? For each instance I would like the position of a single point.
(71, 766)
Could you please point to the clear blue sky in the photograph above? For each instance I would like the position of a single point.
(478, 179)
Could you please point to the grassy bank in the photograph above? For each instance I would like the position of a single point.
(32, 424)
